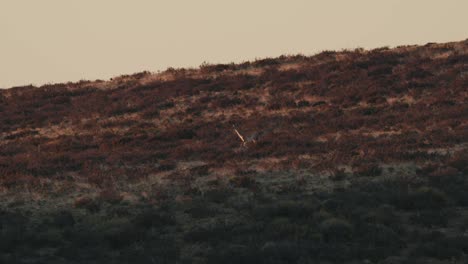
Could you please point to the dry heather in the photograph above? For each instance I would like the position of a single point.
(346, 108)
(342, 157)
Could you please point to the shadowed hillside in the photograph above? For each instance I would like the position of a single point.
(348, 155)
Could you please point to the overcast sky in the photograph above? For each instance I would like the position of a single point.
(51, 41)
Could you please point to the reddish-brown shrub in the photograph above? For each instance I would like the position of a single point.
(110, 195)
(167, 165)
(55, 129)
(459, 160)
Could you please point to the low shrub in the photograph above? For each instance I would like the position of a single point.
(303, 103)
(110, 195)
(210, 230)
(384, 214)
(283, 228)
(338, 175)
(379, 236)
(459, 160)
(427, 198)
(63, 219)
(218, 195)
(367, 170)
(443, 249)
(430, 218)
(243, 181)
(167, 165)
(88, 203)
(301, 209)
(282, 251)
(152, 217)
(200, 208)
(336, 230)
(236, 253)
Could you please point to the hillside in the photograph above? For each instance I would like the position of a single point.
(348, 155)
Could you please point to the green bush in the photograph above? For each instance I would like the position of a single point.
(430, 218)
(367, 170)
(285, 208)
(152, 217)
(281, 252)
(63, 219)
(120, 232)
(384, 214)
(235, 253)
(212, 230)
(436, 250)
(335, 252)
(218, 195)
(200, 208)
(336, 230)
(49, 237)
(377, 241)
(281, 228)
(338, 175)
(196, 253)
(427, 198)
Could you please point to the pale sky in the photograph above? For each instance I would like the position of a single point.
(48, 41)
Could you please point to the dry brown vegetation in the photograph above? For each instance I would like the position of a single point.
(338, 108)
(349, 157)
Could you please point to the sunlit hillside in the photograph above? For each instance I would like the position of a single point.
(343, 156)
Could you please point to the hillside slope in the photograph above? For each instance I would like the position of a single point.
(344, 153)
(335, 108)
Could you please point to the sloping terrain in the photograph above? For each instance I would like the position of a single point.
(350, 155)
